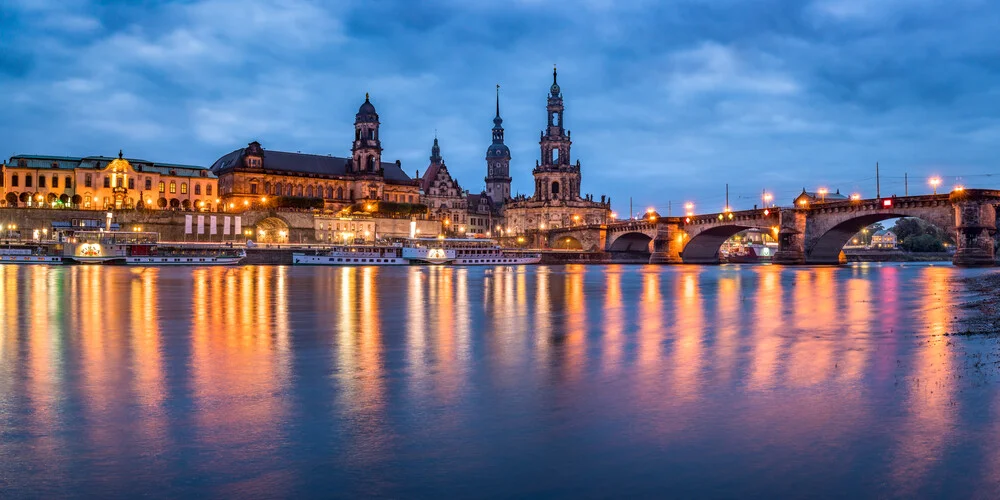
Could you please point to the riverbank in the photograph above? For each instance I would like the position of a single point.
(983, 316)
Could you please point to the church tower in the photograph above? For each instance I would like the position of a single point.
(556, 179)
(366, 152)
(498, 163)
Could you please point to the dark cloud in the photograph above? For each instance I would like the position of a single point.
(666, 100)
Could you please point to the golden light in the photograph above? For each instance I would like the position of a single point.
(774, 229)
(720, 217)
(935, 182)
(959, 188)
(246, 203)
(520, 239)
(447, 222)
(614, 215)
(803, 202)
(649, 210)
(855, 197)
(730, 216)
(201, 204)
(768, 197)
(231, 205)
(217, 200)
(369, 207)
(263, 199)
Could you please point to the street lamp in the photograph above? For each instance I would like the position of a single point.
(767, 199)
(689, 209)
(822, 194)
(935, 182)
(855, 197)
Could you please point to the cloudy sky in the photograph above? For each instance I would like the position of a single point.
(667, 100)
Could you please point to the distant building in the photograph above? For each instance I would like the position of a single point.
(105, 183)
(249, 175)
(343, 230)
(557, 201)
(884, 239)
(812, 198)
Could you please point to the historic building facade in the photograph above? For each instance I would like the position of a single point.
(557, 201)
(444, 197)
(105, 183)
(248, 176)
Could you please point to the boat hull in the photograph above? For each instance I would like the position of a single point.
(30, 259)
(300, 259)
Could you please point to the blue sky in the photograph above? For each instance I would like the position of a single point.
(667, 100)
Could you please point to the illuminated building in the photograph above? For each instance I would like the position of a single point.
(105, 183)
(334, 229)
(822, 196)
(249, 175)
(557, 201)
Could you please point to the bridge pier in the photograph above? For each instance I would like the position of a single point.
(975, 222)
(667, 244)
(791, 237)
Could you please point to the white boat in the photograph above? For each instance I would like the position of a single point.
(144, 249)
(353, 255)
(30, 254)
(464, 252)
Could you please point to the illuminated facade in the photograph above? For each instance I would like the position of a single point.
(333, 229)
(104, 183)
(444, 197)
(248, 176)
(557, 201)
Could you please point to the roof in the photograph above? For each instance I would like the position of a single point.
(884, 232)
(304, 163)
(825, 197)
(95, 162)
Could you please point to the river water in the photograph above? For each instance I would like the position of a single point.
(600, 381)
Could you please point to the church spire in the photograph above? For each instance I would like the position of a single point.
(435, 152)
(498, 122)
(554, 89)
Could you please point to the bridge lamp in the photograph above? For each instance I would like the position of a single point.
(935, 182)
(822, 194)
(959, 188)
(803, 202)
(767, 198)
(855, 197)
(730, 216)
(720, 216)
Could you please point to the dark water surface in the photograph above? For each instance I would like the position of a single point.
(625, 381)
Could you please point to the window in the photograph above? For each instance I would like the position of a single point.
(107, 181)
(197, 189)
(41, 181)
(88, 181)
(13, 180)
(184, 188)
(253, 188)
(340, 190)
(149, 184)
(86, 201)
(162, 187)
(131, 183)
(208, 189)
(173, 187)
(68, 182)
(555, 188)
(55, 181)
(27, 181)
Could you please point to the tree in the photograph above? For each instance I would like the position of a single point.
(915, 235)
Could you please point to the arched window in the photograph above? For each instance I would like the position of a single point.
(357, 134)
(329, 192)
(371, 163)
(197, 189)
(555, 187)
(555, 155)
(340, 193)
(371, 134)
(267, 187)
(309, 192)
(277, 189)
(13, 180)
(288, 190)
(69, 182)
(298, 190)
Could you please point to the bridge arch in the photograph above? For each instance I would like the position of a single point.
(271, 230)
(631, 242)
(703, 247)
(567, 242)
(827, 247)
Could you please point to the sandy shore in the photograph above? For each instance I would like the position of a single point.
(983, 310)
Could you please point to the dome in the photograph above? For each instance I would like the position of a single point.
(498, 151)
(367, 111)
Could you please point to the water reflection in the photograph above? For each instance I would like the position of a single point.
(277, 381)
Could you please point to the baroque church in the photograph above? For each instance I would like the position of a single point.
(557, 201)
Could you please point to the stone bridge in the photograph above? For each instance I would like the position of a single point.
(806, 234)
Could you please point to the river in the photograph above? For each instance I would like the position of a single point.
(583, 381)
